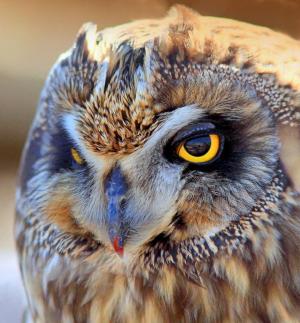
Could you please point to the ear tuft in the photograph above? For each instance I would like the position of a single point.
(85, 43)
(183, 13)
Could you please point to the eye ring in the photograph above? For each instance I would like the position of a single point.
(208, 156)
(76, 157)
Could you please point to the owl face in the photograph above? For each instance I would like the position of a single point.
(146, 137)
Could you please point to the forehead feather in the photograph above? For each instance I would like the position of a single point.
(268, 51)
(122, 77)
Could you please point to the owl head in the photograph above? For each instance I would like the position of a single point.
(161, 132)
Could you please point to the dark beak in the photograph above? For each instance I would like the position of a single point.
(115, 191)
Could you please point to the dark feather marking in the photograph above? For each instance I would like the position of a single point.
(80, 54)
(178, 222)
(29, 157)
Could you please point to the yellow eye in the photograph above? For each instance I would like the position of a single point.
(77, 158)
(201, 149)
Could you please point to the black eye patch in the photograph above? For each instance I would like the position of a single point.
(61, 154)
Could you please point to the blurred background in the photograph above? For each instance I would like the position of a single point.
(34, 33)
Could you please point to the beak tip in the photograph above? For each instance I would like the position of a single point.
(118, 246)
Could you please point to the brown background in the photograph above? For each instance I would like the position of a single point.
(32, 35)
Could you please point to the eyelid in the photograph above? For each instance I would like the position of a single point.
(204, 128)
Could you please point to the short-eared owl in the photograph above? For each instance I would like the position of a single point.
(152, 185)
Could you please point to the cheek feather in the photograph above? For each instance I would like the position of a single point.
(59, 211)
(198, 221)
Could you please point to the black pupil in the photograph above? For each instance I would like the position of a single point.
(198, 146)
